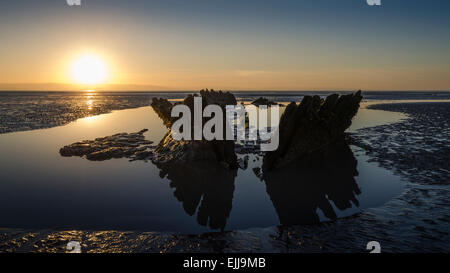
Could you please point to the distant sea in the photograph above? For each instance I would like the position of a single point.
(281, 96)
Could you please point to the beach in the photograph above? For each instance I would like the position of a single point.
(403, 174)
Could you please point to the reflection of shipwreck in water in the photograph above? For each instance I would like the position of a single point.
(298, 189)
(202, 172)
(312, 166)
(203, 186)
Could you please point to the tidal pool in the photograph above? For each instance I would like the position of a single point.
(39, 189)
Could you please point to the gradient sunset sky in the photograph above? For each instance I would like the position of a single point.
(228, 44)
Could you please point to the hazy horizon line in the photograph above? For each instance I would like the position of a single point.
(115, 87)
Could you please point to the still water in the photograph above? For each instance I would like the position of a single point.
(39, 189)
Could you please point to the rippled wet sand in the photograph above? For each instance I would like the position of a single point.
(23, 111)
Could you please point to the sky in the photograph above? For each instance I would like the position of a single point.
(227, 44)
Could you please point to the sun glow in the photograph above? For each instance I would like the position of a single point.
(89, 69)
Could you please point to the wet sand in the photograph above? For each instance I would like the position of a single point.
(37, 110)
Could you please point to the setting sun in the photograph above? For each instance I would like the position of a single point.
(89, 69)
